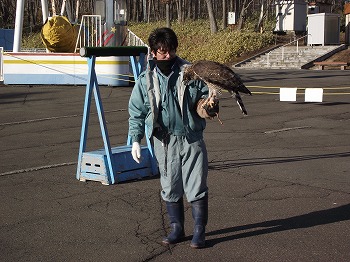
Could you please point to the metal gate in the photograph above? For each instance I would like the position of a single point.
(90, 34)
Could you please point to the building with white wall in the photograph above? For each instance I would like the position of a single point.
(291, 16)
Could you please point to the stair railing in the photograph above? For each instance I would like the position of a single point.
(134, 40)
(282, 47)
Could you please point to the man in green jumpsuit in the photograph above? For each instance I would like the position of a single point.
(171, 112)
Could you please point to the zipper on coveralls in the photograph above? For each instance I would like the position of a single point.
(165, 142)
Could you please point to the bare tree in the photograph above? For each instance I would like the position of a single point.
(167, 12)
(224, 14)
(144, 10)
(261, 17)
(212, 20)
(154, 10)
(149, 11)
(178, 8)
(31, 7)
(243, 12)
(264, 9)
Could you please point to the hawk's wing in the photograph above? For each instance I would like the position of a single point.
(219, 75)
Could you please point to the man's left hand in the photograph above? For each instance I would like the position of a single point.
(211, 106)
(208, 108)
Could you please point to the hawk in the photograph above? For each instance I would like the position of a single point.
(217, 77)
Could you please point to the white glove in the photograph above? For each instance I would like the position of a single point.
(136, 152)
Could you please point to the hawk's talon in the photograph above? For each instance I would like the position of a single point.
(217, 115)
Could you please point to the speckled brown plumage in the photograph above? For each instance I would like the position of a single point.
(218, 76)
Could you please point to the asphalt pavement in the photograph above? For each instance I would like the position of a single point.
(279, 183)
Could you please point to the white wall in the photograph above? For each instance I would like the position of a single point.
(291, 15)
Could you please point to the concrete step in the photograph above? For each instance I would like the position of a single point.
(292, 57)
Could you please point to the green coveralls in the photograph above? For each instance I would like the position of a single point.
(166, 107)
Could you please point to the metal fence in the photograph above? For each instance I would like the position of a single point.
(89, 32)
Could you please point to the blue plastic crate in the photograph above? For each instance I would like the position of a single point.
(94, 165)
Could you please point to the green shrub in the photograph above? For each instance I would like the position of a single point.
(196, 41)
(32, 40)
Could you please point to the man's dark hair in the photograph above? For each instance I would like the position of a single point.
(163, 38)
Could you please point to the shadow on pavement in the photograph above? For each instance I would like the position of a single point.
(312, 219)
(227, 164)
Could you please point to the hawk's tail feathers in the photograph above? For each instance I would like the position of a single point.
(240, 103)
(242, 88)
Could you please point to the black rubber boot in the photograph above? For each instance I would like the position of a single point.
(200, 216)
(177, 218)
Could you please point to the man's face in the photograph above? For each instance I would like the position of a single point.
(164, 54)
